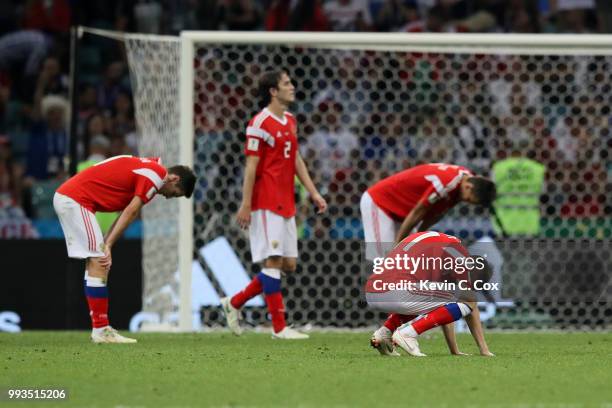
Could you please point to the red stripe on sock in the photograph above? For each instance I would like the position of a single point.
(277, 311)
(253, 289)
(437, 317)
(98, 310)
(395, 320)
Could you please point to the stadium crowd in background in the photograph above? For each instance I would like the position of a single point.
(34, 105)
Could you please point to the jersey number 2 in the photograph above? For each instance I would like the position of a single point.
(287, 150)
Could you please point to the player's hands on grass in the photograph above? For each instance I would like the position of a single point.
(244, 216)
(319, 202)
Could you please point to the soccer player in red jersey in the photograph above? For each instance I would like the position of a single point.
(120, 183)
(418, 196)
(433, 277)
(268, 201)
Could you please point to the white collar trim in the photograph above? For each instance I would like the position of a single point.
(282, 121)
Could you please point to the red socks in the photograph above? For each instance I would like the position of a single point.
(439, 317)
(98, 310)
(277, 310)
(395, 320)
(253, 289)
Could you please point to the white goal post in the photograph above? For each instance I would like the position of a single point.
(190, 42)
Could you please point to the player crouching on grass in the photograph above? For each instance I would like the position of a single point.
(428, 279)
(415, 199)
(121, 183)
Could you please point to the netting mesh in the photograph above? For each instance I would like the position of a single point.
(363, 115)
(154, 73)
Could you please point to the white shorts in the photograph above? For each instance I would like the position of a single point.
(379, 229)
(405, 302)
(84, 238)
(271, 234)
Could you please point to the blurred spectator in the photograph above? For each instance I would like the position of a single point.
(241, 15)
(48, 140)
(21, 55)
(47, 15)
(348, 15)
(58, 81)
(300, 15)
(96, 126)
(99, 148)
(111, 85)
(122, 119)
(308, 15)
(572, 16)
(148, 16)
(10, 175)
(436, 21)
(87, 107)
(395, 14)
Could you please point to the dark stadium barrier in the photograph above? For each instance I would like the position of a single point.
(42, 289)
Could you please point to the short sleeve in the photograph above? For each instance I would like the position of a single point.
(429, 197)
(255, 139)
(149, 180)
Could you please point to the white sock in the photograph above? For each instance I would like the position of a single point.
(271, 272)
(98, 330)
(384, 331)
(408, 330)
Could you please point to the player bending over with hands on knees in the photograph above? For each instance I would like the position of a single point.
(415, 199)
(435, 292)
(120, 183)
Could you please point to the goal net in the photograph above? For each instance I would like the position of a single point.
(368, 106)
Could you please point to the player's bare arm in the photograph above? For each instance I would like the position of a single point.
(430, 220)
(473, 322)
(244, 212)
(304, 176)
(451, 339)
(412, 220)
(128, 215)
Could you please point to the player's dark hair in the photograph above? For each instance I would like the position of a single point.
(187, 178)
(484, 190)
(268, 80)
(484, 274)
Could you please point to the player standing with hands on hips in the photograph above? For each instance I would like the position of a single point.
(268, 201)
(120, 183)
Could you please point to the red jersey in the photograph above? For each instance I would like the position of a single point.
(111, 184)
(435, 185)
(274, 141)
(432, 257)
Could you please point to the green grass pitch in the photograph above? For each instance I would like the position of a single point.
(329, 370)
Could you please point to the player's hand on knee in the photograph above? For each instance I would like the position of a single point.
(244, 216)
(107, 260)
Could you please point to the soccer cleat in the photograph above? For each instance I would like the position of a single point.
(381, 341)
(407, 343)
(110, 335)
(289, 334)
(232, 316)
